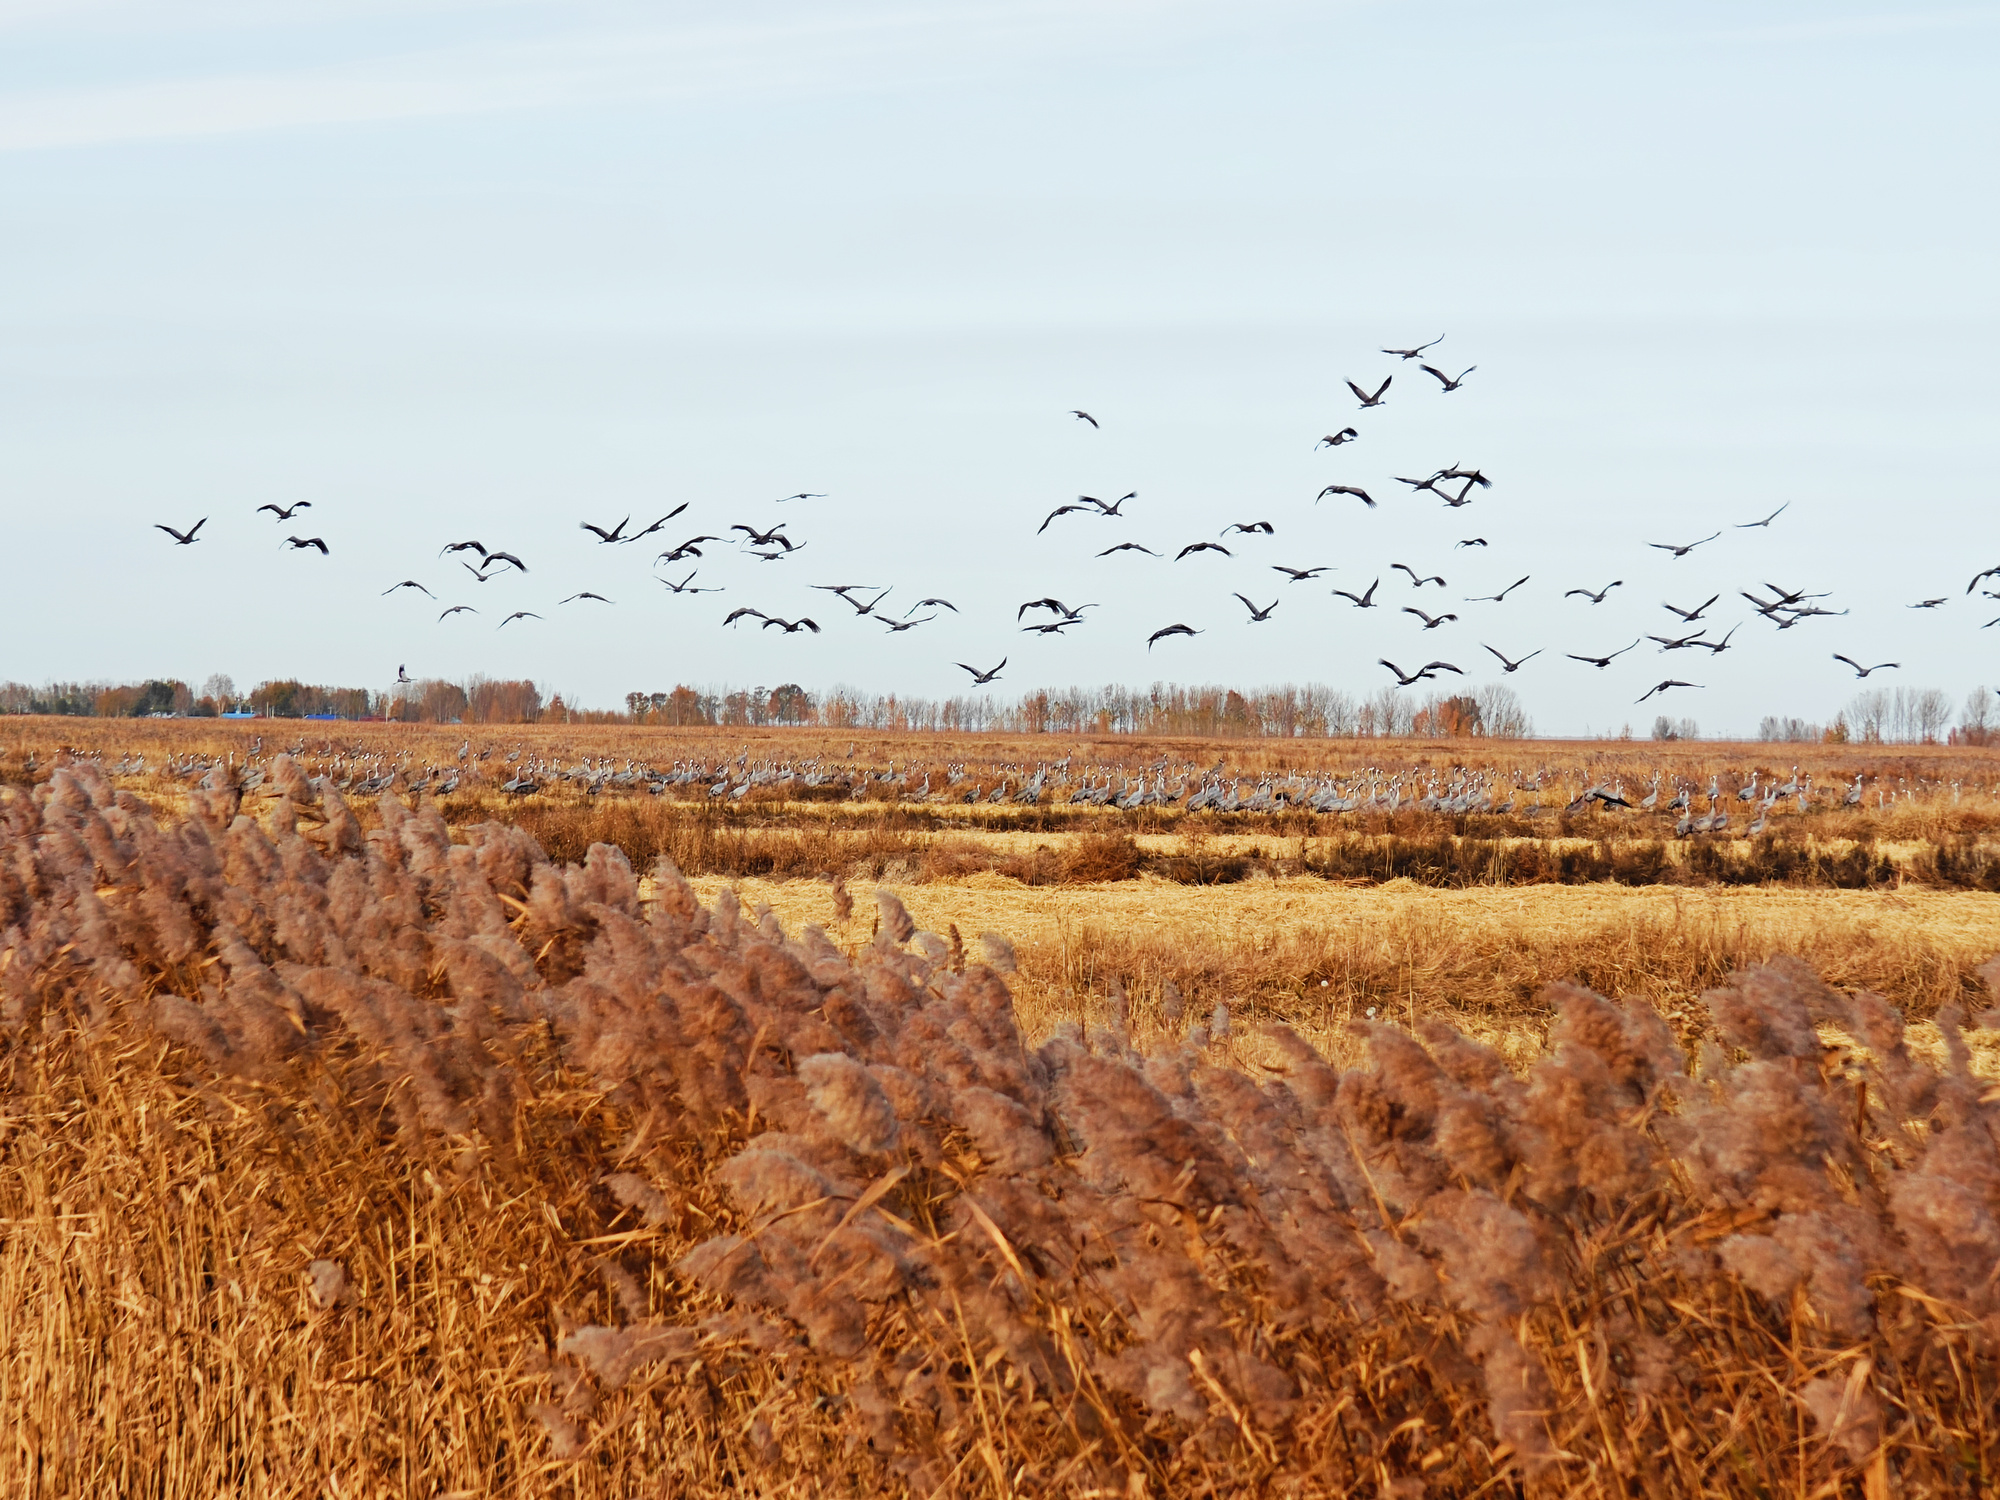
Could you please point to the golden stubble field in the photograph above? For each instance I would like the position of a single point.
(1322, 957)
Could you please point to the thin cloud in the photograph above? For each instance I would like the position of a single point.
(804, 53)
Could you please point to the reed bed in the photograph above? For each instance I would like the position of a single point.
(373, 1161)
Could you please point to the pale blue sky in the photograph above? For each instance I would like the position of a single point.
(488, 270)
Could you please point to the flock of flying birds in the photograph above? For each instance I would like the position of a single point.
(1455, 487)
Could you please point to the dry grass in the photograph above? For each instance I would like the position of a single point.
(1320, 956)
(301, 1195)
(158, 1332)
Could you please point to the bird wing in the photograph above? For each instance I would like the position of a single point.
(635, 536)
(1440, 666)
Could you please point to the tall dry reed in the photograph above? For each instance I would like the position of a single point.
(368, 1162)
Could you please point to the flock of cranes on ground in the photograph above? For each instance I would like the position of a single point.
(1455, 486)
(361, 769)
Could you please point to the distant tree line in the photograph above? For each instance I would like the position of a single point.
(1899, 715)
(1163, 709)
(1878, 715)
(479, 700)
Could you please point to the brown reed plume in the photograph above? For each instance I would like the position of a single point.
(369, 1160)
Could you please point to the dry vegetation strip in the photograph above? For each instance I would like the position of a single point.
(369, 1162)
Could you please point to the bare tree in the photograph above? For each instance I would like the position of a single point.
(1975, 724)
(1930, 711)
(1868, 714)
(1501, 715)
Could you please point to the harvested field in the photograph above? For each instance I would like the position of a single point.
(1321, 956)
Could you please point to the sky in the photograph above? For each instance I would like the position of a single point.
(453, 270)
